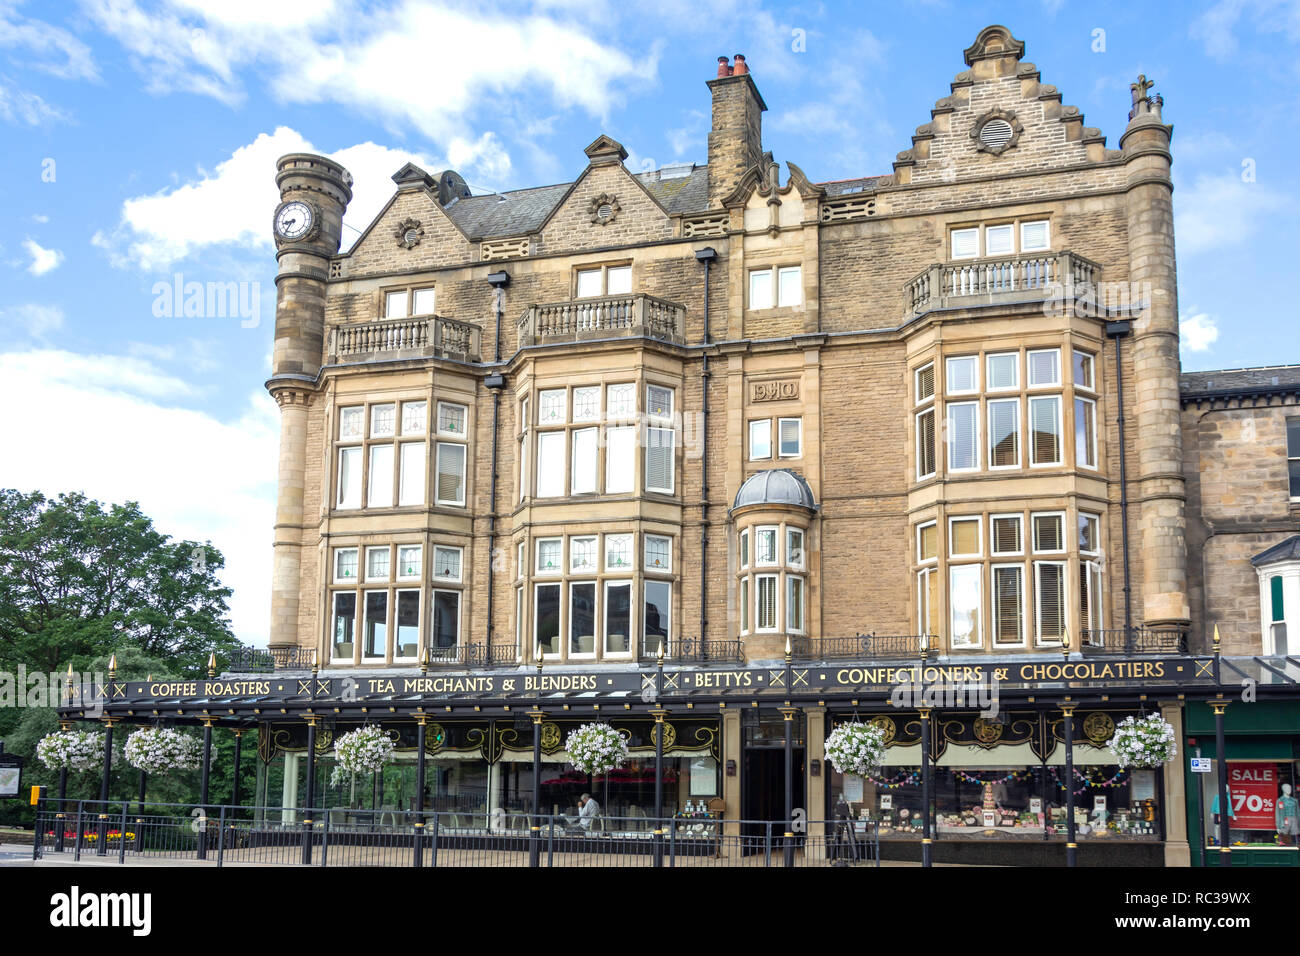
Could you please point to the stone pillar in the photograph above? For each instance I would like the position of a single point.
(1174, 798)
(731, 751)
(325, 188)
(816, 720)
(1159, 489)
(289, 789)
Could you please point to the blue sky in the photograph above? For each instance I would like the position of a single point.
(140, 136)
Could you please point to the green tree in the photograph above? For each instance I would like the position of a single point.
(79, 580)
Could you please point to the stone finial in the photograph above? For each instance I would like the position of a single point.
(1142, 103)
(992, 42)
(605, 149)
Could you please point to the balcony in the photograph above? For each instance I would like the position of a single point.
(862, 647)
(604, 317)
(1135, 640)
(971, 283)
(693, 650)
(405, 338)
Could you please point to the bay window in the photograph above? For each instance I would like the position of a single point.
(1049, 601)
(444, 635)
(1008, 604)
(766, 600)
(1085, 433)
(582, 618)
(965, 602)
(963, 436)
(656, 615)
(618, 617)
(385, 464)
(1045, 431)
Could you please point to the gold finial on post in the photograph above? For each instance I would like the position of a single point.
(112, 666)
(1218, 642)
(424, 660)
(788, 652)
(1065, 643)
(212, 665)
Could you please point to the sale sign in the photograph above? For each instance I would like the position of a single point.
(1252, 788)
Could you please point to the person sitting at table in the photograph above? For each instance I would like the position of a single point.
(588, 810)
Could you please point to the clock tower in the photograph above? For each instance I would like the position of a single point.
(308, 225)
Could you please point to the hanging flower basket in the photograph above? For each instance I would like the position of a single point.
(364, 750)
(1143, 742)
(856, 749)
(159, 749)
(596, 748)
(71, 749)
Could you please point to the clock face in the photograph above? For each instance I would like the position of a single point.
(294, 220)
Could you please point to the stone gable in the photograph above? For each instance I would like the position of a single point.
(442, 244)
(637, 219)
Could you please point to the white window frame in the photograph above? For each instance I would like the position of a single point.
(1054, 640)
(798, 452)
(755, 425)
(525, 434)
(464, 410)
(566, 638)
(790, 581)
(423, 427)
(586, 417)
(339, 552)
(949, 362)
(1091, 571)
(464, 475)
(669, 488)
(593, 567)
(376, 549)
(744, 549)
(993, 609)
(790, 550)
(743, 598)
(379, 494)
(356, 622)
(767, 274)
(952, 434)
(591, 469)
(776, 546)
(644, 599)
(668, 551)
(918, 399)
(649, 404)
(460, 564)
(377, 407)
(631, 552)
(976, 520)
(1055, 352)
(989, 405)
(776, 603)
(631, 618)
(988, 373)
(460, 616)
(554, 484)
(545, 396)
(932, 411)
(1033, 536)
(920, 558)
(360, 434)
(383, 655)
(1092, 364)
(620, 463)
(614, 410)
(1020, 535)
(561, 623)
(923, 576)
(953, 569)
(407, 496)
(1047, 235)
(537, 556)
(1010, 231)
(952, 242)
(1092, 449)
(419, 625)
(1096, 535)
(353, 499)
(1060, 432)
(397, 571)
(782, 302)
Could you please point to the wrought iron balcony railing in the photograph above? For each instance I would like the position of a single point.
(261, 660)
(862, 647)
(990, 281)
(403, 338)
(693, 649)
(475, 655)
(610, 315)
(1135, 640)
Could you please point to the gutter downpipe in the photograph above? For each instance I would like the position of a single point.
(495, 383)
(1118, 330)
(706, 256)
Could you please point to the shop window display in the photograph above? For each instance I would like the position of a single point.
(1264, 804)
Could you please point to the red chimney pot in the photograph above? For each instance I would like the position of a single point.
(741, 67)
(724, 69)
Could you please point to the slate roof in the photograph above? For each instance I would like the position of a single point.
(1229, 380)
(845, 187)
(1288, 550)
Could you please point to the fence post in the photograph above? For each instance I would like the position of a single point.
(767, 844)
(121, 838)
(433, 858)
(418, 842)
(672, 845)
(221, 837)
(325, 841)
(550, 845)
(77, 836)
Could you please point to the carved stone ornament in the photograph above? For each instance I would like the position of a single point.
(1003, 131)
(409, 233)
(604, 208)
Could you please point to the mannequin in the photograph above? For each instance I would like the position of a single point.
(1286, 816)
(1214, 809)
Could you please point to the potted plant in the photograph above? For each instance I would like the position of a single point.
(71, 750)
(159, 749)
(856, 748)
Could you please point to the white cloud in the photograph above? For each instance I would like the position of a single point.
(38, 217)
(56, 51)
(1199, 331)
(234, 202)
(120, 439)
(43, 260)
(411, 63)
(19, 106)
(1220, 211)
(34, 320)
(1215, 28)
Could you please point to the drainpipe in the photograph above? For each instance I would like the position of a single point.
(495, 383)
(1118, 330)
(706, 256)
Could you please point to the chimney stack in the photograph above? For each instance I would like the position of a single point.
(736, 139)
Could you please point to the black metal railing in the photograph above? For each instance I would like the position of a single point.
(258, 660)
(1135, 640)
(475, 655)
(863, 647)
(127, 832)
(693, 649)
